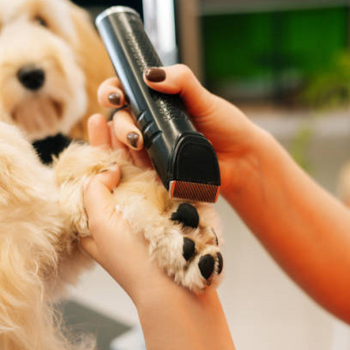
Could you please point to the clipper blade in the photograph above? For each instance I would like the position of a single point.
(194, 191)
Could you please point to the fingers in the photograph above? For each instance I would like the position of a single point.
(98, 131)
(179, 79)
(97, 195)
(110, 94)
(126, 130)
(141, 159)
(125, 133)
(116, 144)
(104, 134)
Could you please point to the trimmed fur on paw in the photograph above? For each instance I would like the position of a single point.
(183, 237)
(42, 217)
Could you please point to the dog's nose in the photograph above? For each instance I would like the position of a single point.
(31, 78)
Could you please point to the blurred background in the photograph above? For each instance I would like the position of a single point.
(286, 64)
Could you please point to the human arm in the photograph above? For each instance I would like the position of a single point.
(305, 229)
(171, 316)
(302, 226)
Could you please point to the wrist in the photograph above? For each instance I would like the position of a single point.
(146, 280)
(159, 296)
(192, 321)
(152, 288)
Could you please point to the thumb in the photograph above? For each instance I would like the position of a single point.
(97, 193)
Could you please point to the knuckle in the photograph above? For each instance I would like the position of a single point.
(185, 71)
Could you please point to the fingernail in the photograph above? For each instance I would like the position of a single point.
(155, 75)
(114, 98)
(133, 138)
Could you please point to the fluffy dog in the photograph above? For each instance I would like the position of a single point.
(51, 63)
(48, 81)
(42, 218)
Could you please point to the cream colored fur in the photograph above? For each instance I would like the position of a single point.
(72, 56)
(42, 218)
(34, 247)
(41, 209)
(144, 202)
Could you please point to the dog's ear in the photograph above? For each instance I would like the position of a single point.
(93, 58)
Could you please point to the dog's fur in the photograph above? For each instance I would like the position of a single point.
(42, 218)
(57, 37)
(41, 208)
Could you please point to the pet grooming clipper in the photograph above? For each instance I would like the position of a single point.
(183, 158)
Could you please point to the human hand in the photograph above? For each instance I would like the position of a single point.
(123, 254)
(231, 133)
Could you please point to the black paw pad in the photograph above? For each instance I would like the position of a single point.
(220, 262)
(188, 248)
(187, 214)
(206, 265)
(216, 236)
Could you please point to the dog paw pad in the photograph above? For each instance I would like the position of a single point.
(215, 235)
(187, 215)
(206, 265)
(188, 248)
(220, 263)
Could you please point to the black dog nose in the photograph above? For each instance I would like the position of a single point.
(31, 78)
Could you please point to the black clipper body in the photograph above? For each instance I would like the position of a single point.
(183, 158)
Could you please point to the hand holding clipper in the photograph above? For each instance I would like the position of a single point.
(183, 158)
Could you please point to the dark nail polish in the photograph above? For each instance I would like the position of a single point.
(155, 75)
(133, 138)
(114, 98)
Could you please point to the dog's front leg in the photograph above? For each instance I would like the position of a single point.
(181, 235)
(31, 228)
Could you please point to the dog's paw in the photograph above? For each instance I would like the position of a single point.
(73, 170)
(189, 249)
(179, 239)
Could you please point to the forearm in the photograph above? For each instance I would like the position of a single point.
(175, 318)
(304, 228)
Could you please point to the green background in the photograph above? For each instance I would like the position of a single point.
(274, 48)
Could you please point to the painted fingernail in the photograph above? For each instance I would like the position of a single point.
(133, 138)
(155, 75)
(114, 98)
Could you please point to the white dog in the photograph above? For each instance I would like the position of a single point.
(42, 218)
(51, 63)
(41, 208)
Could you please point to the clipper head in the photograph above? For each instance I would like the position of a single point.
(194, 191)
(195, 170)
